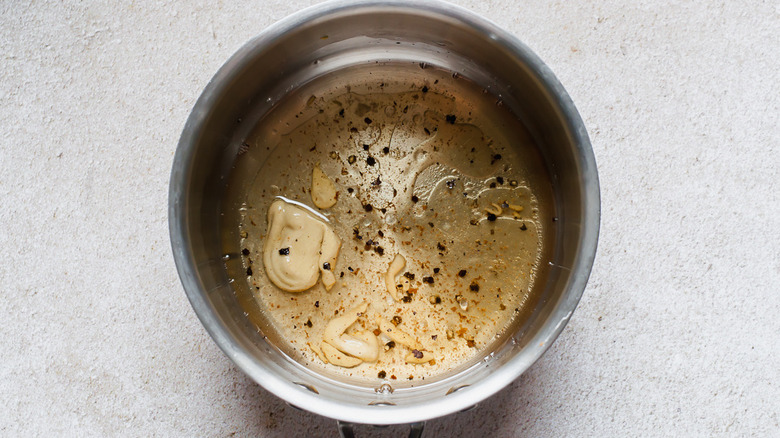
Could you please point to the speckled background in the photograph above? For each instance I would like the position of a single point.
(677, 333)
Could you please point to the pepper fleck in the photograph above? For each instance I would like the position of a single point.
(462, 273)
(474, 287)
(523, 227)
(428, 280)
(365, 147)
(382, 374)
(390, 344)
(245, 252)
(284, 251)
(316, 304)
(326, 266)
(381, 234)
(417, 353)
(385, 150)
(500, 179)
(370, 161)
(436, 270)
(367, 120)
(409, 275)
(308, 323)
(379, 250)
(407, 299)
(424, 89)
(441, 247)
(450, 118)
(249, 271)
(415, 198)
(368, 207)
(491, 217)
(341, 112)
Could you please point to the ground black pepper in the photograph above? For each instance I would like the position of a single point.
(462, 273)
(370, 161)
(491, 217)
(415, 198)
(367, 120)
(249, 271)
(450, 118)
(368, 207)
(245, 252)
(284, 251)
(382, 374)
(326, 266)
(474, 287)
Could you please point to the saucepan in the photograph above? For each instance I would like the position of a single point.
(321, 40)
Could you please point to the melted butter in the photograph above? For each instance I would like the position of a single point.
(417, 174)
(298, 247)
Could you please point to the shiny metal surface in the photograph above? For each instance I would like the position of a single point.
(336, 35)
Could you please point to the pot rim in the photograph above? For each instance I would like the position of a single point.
(500, 377)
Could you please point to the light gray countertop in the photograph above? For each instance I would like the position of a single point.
(677, 333)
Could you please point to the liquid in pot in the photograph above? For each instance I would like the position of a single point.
(426, 165)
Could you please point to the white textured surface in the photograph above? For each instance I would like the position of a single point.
(677, 333)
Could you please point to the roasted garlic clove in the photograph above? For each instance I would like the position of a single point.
(297, 246)
(396, 334)
(395, 268)
(363, 345)
(338, 358)
(323, 191)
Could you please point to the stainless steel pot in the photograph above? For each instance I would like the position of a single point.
(351, 33)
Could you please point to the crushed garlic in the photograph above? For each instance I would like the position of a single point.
(299, 248)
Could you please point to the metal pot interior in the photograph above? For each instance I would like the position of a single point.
(323, 41)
